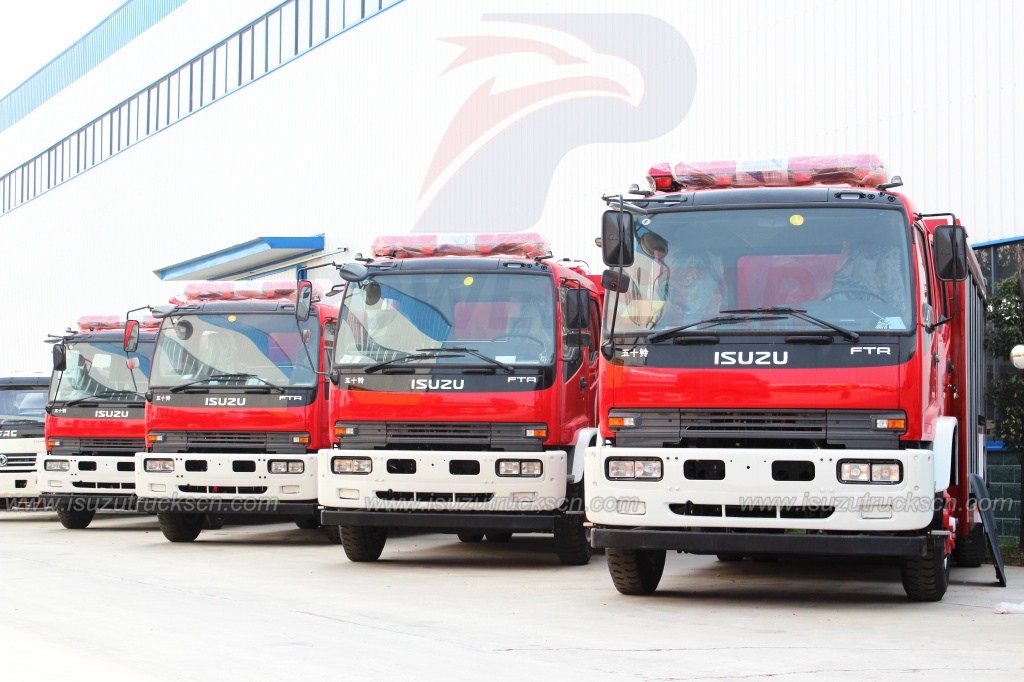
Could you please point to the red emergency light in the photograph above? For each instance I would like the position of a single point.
(95, 323)
(521, 244)
(858, 170)
(242, 290)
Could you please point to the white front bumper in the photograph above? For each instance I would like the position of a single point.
(748, 483)
(18, 475)
(432, 477)
(114, 475)
(221, 481)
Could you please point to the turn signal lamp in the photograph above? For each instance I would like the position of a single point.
(858, 170)
(517, 244)
(890, 423)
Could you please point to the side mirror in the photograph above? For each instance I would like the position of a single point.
(617, 238)
(577, 310)
(950, 253)
(60, 357)
(577, 340)
(612, 281)
(353, 272)
(131, 336)
(1017, 357)
(303, 300)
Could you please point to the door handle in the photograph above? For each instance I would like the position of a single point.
(583, 383)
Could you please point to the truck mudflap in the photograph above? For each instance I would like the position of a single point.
(699, 542)
(442, 521)
(227, 506)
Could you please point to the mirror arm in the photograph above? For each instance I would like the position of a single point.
(615, 309)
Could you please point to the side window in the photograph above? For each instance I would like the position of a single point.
(595, 329)
(572, 356)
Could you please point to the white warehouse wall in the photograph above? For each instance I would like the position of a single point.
(482, 116)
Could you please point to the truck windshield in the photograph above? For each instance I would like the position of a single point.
(235, 349)
(98, 369)
(847, 266)
(510, 318)
(22, 403)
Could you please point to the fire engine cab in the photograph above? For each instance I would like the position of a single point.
(95, 418)
(236, 410)
(466, 374)
(792, 365)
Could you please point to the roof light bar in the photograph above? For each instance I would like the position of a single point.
(858, 170)
(521, 244)
(243, 290)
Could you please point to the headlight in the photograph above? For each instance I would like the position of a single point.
(627, 469)
(352, 465)
(870, 472)
(885, 473)
(281, 466)
(528, 468)
(159, 465)
(58, 465)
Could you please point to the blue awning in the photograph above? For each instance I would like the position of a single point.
(239, 258)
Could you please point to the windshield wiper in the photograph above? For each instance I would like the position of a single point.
(801, 314)
(369, 369)
(475, 353)
(235, 375)
(658, 337)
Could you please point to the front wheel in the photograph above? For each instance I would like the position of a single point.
(75, 520)
(470, 537)
(925, 578)
(363, 543)
(181, 527)
(570, 535)
(636, 571)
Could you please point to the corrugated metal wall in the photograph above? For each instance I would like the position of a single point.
(471, 116)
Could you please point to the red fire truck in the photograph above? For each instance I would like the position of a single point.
(466, 374)
(793, 364)
(95, 419)
(236, 410)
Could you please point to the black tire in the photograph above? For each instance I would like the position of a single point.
(213, 522)
(636, 571)
(333, 534)
(308, 523)
(970, 549)
(181, 527)
(471, 537)
(75, 520)
(730, 557)
(363, 543)
(925, 578)
(499, 537)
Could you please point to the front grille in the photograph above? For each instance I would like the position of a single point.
(752, 511)
(103, 485)
(223, 489)
(247, 439)
(19, 462)
(108, 445)
(499, 436)
(755, 428)
(740, 424)
(392, 496)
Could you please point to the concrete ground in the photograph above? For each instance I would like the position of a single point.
(117, 601)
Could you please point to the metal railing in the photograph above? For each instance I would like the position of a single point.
(282, 34)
